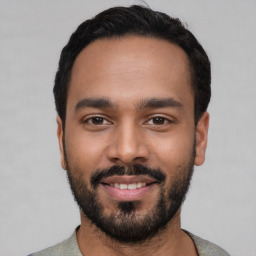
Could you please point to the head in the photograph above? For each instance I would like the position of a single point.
(131, 93)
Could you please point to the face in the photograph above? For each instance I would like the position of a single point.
(130, 140)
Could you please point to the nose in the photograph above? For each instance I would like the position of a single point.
(128, 146)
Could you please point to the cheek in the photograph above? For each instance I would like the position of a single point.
(84, 152)
(173, 151)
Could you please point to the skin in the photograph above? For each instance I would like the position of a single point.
(128, 72)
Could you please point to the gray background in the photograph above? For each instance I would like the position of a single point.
(36, 206)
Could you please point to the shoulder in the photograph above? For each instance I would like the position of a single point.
(206, 248)
(68, 247)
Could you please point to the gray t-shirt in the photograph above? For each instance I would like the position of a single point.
(69, 247)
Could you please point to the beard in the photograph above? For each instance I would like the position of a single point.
(127, 225)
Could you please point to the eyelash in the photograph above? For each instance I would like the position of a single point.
(163, 120)
(160, 119)
(90, 120)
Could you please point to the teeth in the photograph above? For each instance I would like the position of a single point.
(139, 185)
(132, 186)
(128, 186)
(117, 185)
(123, 186)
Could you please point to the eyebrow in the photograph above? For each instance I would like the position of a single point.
(159, 103)
(146, 103)
(94, 103)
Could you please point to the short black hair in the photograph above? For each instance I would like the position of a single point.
(142, 21)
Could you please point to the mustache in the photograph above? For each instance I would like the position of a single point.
(136, 169)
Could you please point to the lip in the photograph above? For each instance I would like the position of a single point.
(128, 179)
(127, 194)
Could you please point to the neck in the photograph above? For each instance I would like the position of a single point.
(169, 241)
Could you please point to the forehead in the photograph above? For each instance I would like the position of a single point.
(127, 66)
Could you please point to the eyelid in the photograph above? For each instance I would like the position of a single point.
(90, 117)
(168, 120)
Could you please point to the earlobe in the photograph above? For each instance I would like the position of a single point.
(60, 135)
(201, 138)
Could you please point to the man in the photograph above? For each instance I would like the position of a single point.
(131, 92)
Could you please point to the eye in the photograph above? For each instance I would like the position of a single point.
(97, 120)
(158, 120)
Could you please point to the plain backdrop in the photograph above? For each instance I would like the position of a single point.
(36, 206)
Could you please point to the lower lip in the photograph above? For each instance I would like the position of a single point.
(127, 194)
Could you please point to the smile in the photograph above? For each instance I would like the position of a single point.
(127, 188)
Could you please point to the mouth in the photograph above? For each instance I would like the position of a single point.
(131, 186)
(128, 188)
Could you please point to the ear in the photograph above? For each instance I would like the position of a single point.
(201, 138)
(60, 135)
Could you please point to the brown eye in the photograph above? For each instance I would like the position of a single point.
(97, 120)
(159, 120)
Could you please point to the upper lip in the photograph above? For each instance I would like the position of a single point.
(128, 179)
